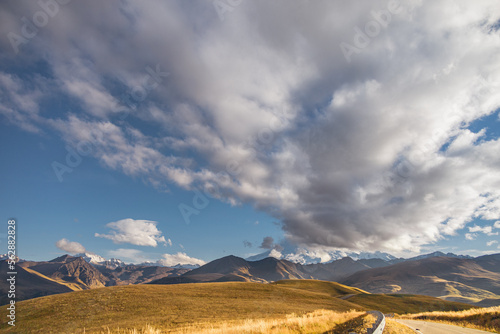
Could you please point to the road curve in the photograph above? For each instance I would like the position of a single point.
(427, 327)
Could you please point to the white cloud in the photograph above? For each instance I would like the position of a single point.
(485, 229)
(497, 224)
(491, 243)
(20, 101)
(170, 260)
(321, 253)
(135, 232)
(129, 255)
(71, 247)
(276, 254)
(367, 170)
(470, 236)
(80, 80)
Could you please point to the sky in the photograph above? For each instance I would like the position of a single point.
(181, 132)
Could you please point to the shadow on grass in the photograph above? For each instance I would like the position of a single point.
(353, 325)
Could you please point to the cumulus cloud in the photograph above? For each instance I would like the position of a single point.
(276, 254)
(71, 247)
(497, 224)
(267, 243)
(375, 153)
(320, 254)
(491, 243)
(485, 229)
(135, 232)
(470, 236)
(170, 260)
(129, 255)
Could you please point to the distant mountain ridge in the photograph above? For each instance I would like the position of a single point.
(69, 273)
(448, 276)
(471, 280)
(239, 269)
(303, 256)
(233, 268)
(29, 285)
(438, 253)
(69, 269)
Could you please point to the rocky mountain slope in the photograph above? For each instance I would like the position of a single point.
(233, 268)
(471, 280)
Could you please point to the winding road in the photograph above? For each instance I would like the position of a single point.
(427, 327)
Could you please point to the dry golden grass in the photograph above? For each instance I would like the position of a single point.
(334, 289)
(148, 329)
(394, 327)
(487, 319)
(319, 321)
(400, 303)
(357, 325)
(169, 307)
(164, 307)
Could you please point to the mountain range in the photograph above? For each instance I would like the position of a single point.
(305, 256)
(70, 273)
(447, 276)
(469, 280)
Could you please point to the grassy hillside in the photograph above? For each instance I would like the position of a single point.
(453, 279)
(73, 270)
(332, 289)
(399, 303)
(319, 321)
(30, 284)
(483, 318)
(72, 286)
(165, 307)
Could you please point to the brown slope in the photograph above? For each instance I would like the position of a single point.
(70, 269)
(449, 278)
(489, 262)
(29, 285)
(137, 274)
(336, 270)
(271, 269)
(233, 268)
(225, 265)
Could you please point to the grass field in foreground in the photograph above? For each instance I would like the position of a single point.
(393, 327)
(483, 318)
(164, 306)
(319, 321)
(168, 307)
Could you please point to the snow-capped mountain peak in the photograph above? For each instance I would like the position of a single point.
(309, 256)
(113, 263)
(186, 266)
(91, 257)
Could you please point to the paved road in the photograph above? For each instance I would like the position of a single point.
(426, 327)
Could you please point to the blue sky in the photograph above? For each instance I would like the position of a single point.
(303, 125)
(92, 196)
